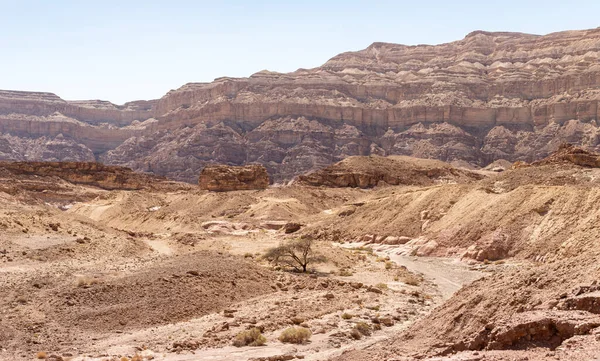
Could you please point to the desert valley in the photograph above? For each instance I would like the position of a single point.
(397, 203)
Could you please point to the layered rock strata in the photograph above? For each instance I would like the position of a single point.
(486, 97)
(222, 178)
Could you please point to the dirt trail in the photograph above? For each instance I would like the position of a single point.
(449, 275)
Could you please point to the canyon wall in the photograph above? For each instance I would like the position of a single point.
(488, 96)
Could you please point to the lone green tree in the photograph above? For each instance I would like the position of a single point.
(297, 254)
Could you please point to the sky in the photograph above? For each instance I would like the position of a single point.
(128, 50)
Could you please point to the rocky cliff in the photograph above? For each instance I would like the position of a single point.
(223, 178)
(368, 172)
(89, 173)
(486, 97)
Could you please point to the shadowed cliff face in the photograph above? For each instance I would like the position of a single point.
(489, 96)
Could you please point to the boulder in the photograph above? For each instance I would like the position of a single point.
(292, 227)
(394, 240)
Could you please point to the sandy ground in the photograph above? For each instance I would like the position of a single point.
(174, 274)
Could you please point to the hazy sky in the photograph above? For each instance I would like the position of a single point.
(129, 49)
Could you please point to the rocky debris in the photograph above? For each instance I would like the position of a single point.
(492, 247)
(368, 172)
(381, 239)
(532, 329)
(223, 178)
(225, 227)
(582, 298)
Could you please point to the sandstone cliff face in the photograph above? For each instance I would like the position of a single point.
(368, 172)
(222, 178)
(489, 96)
(88, 173)
(97, 126)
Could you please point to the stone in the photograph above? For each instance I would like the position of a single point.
(223, 178)
(394, 240)
(292, 227)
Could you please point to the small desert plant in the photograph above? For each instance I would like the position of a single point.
(345, 272)
(382, 286)
(85, 281)
(298, 335)
(251, 337)
(389, 265)
(363, 328)
(41, 355)
(374, 308)
(410, 279)
(347, 316)
(248, 255)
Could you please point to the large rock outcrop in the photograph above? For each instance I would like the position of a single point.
(223, 178)
(488, 96)
(368, 172)
(89, 173)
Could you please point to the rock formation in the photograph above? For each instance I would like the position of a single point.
(89, 173)
(568, 153)
(486, 97)
(223, 178)
(367, 172)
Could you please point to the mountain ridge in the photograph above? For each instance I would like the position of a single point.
(488, 96)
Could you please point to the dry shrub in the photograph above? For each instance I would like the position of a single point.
(298, 335)
(389, 265)
(85, 281)
(347, 316)
(251, 337)
(363, 328)
(41, 355)
(345, 272)
(410, 279)
(382, 286)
